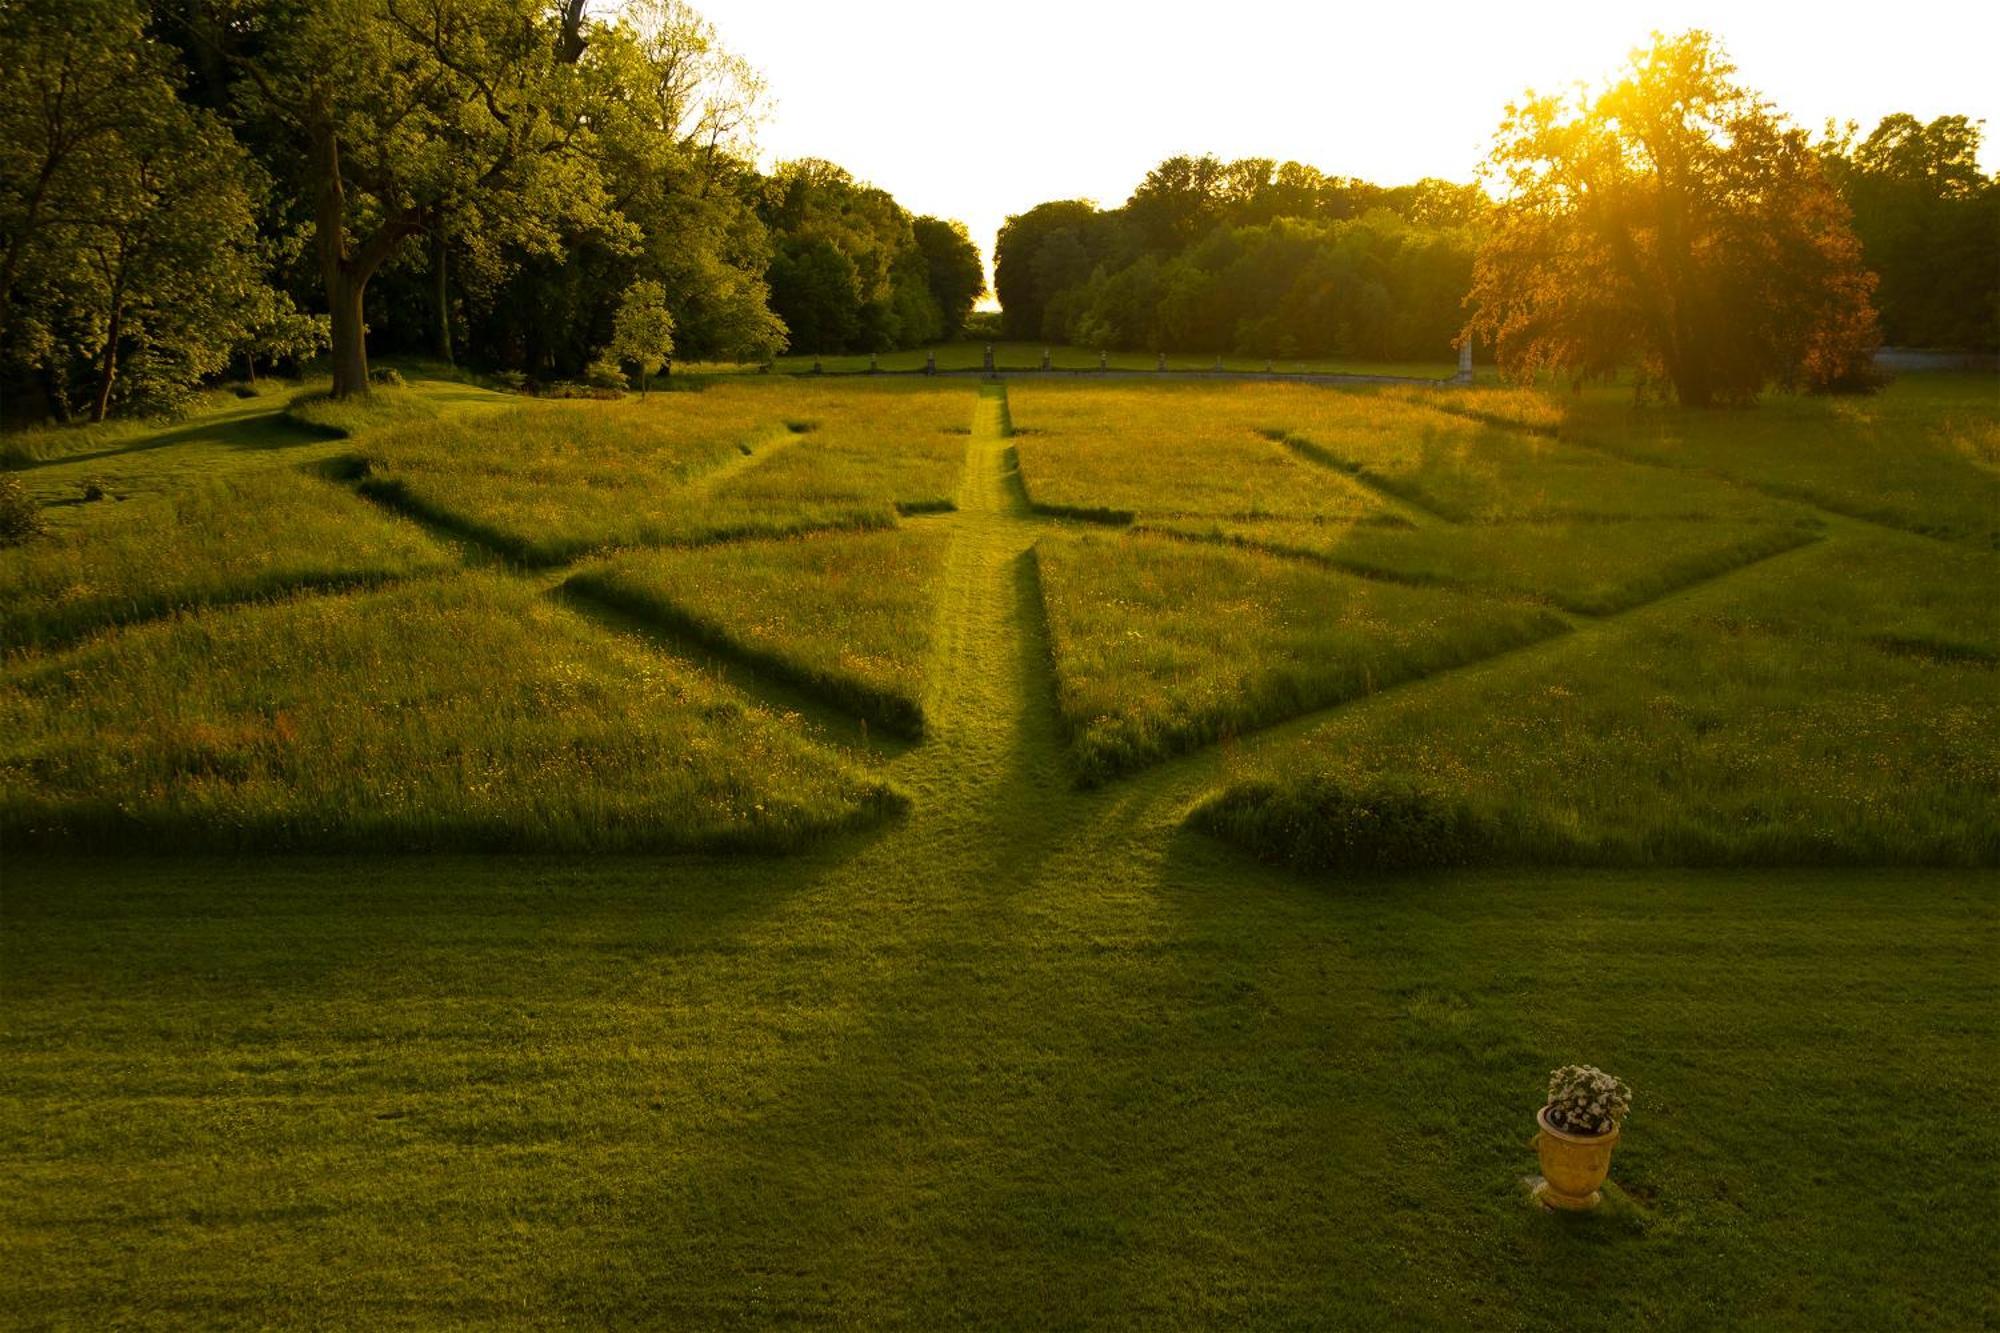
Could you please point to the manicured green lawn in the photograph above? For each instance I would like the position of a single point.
(986, 1048)
(1018, 1077)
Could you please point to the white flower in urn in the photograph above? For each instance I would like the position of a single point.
(1583, 1099)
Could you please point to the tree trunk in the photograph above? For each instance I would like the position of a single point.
(350, 346)
(440, 293)
(101, 405)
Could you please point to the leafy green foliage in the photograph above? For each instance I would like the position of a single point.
(1246, 257)
(1675, 222)
(956, 277)
(1929, 223)
(644, 331)
(849, 272)
(130, 269)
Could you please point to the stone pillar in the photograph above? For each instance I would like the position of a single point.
(989, 358)
(873, 367)
(816, 366)
(1104, 360)
(1464, 375)
(930, 363)
(1163, 362)
(1045, 358)
(1218, 362)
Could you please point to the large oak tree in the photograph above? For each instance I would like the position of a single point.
(1676, 222)
(404, 114)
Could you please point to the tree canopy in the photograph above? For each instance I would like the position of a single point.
(1248, 257)
(187, 184)
(1674, 222)
(1929, 223)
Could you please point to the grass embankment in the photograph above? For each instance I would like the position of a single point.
(848, 618)
(248, 536)
(550, 481)
(1833, 707)
(467, 713)
(1160, 645)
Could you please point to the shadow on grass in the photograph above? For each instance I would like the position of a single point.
(758, 681)
(263, 427)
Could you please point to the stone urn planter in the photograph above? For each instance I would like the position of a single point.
(1576, 1132)
(1573, 1165)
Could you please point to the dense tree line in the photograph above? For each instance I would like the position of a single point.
(1929, 223)
(193, 186)
(1251, 257)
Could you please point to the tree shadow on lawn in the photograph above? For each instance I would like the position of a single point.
(260, 427)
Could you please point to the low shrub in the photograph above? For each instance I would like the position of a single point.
(20, 513)
(1320, 825)
(387, 376)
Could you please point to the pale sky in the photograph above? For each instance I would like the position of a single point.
(977, 110)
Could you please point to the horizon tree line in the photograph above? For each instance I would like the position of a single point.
(196, 188)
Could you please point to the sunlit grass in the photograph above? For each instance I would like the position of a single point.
(1162, 645)
(1115, 453)
(461, 713)
(1593, 568)
(248, 536)
(547, 482)
(1835, 706)
(1027, 356)
(847, 617)
(1468, 471)
(1924, 454)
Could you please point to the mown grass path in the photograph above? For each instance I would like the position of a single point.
(1028, 1056)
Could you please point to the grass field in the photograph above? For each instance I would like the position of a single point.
(1115, 454)
(549, 481)
(985, 1046)
(1161, 645)
(1592, 568)
(1837, 705)
(458, 714)
(1028, 356)
(846, 617)
(1923, 455)
(237, 539)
